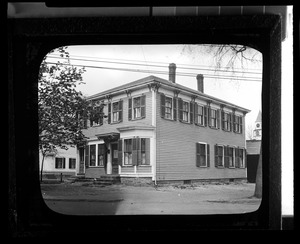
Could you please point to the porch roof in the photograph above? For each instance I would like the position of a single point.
(108, 136)
(136, 127)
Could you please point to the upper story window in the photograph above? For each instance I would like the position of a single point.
(183, 108)
(137, 107)
(117, 111)
(237, 123)
(168, 108)
(199, 114)
(213, 118)
(226, 121)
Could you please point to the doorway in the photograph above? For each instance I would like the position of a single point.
(114, 158)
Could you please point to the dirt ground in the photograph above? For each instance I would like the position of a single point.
(120, 199)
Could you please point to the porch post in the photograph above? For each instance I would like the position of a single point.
(109, 163)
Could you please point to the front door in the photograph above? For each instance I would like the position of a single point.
(114, 158)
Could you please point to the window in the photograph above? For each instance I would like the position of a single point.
(72, 163)
(128, 152)
(117, 111)
(199, 114)
(226, 121)
(60, 163)
(213, 118)
(185, 111)
(239, 157)
(219, 156)
(101, 154)
(168, 108)
(202, 154)
(96, 118)
(92, 155)
(237, 124)
(229, 157)
(183, 108)
(137, 107)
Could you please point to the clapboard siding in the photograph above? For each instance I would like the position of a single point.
(176, 150)
(107, 128)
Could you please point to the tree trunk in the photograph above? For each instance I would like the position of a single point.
(258, 182)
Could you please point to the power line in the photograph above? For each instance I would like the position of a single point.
(164, 72)
(197, 67)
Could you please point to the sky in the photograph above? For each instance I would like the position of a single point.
(110, 66)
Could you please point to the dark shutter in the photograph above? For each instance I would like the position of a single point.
(87, 155)
(222, 119)
(130, 109)
(196, 114)
(134, 151)
(205, 115)
(109, 113)
(147, 147)
(162, 105)
(233, 122)
(120, 152)
(121, 110)
(226, 157)
(230, 121)
(216, 155)
(218, 118)
(208, 155)
(191, 112)
(175, 108)
(241, 124)
(143, 106)
(209, 116)
(197, 154)
(64, 163)
(180, 108)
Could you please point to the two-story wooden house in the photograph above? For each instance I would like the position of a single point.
(164, 131)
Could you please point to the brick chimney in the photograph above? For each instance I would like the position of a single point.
(172, 72)
(200, 83)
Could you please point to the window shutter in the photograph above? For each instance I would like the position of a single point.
(209, 116)
(233, 123)
(120, 152)
(175, 108)
(143, 106)
(134, 151)
(196, 114)
(226, 157)
(197, 154)
(147, 147)
(64, 163)
(216, 155)
(191, 112)
(180, 108)
(139, 150)
(109, 113)
(205, 115)
(121, 110)
(230, 121)
(222, 119)
(162, 105)
(130, 109)
(208, 155)
(218, 118)
(241, 124)
(87, 155)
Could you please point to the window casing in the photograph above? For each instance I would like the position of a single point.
(202, 154)
(72, 163)
(226, 120)
(128, 152)
(240, 157)
(117, 111)
(60, 163)
(229, 156)
(219, 156)
(137, 107)
(199, 114)
(213, 118)
(185, 111)
(168, 108)
(238, 124)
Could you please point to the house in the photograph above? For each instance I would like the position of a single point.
(159, 130)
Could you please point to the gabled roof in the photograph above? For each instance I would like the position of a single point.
(165, 84)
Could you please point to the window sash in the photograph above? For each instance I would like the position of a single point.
(213, 118)
(72, 163)
(201, 155)
(60, 163)
(92, 155)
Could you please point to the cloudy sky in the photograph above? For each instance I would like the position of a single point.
(111, 66)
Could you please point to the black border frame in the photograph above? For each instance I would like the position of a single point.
(29, 40)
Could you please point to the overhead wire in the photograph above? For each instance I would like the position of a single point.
(164, 72)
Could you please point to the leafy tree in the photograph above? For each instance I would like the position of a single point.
(62, 110)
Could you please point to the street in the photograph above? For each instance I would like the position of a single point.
(127, 200)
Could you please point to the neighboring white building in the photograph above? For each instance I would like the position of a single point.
(61, 161)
